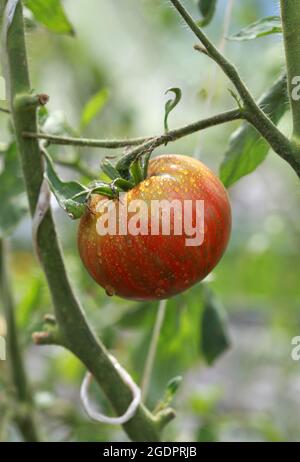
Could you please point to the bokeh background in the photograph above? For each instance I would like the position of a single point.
(134, 51)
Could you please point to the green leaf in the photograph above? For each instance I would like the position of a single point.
(13, 204)
(207, 9)
(94, 106)
(178, 347)
(171, 104)
(110, 171)
(51, 14)
(261, 28)
(214, 336)
(247, 149)
(30, 303)
(70, 195)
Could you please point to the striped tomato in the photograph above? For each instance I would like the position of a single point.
(144, 256)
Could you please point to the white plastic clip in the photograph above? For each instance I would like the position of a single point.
(95, 415)
(42, 207)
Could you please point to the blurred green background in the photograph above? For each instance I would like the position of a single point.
(134, 51)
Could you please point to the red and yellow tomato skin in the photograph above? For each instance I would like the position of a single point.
(154, 267)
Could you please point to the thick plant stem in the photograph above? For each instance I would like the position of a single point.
(279, 143)
(290, 12)
(79, 337)
(25, 419)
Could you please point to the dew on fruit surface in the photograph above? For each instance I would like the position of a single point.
(159, 292)
(99, 255)
(110, 291)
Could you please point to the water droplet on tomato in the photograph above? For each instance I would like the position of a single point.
(159, 292)
(99, 255)
(110, 291)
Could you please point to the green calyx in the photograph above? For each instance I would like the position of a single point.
(121, 180)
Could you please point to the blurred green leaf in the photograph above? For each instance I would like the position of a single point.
(70, 195)
(178, 347)
(261, 28)
(214, 334)
(247, 149)
(51, 14)
(13, 205)
(208, 433)
(207, 9)
(94, 106)
(68, 366)
(30, 302)
(134, 315)
(171, 104)
(205, 402)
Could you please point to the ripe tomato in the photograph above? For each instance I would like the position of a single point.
(153, 267)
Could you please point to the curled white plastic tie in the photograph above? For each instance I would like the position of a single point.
(42, 207)
(11, 8)
(95, 415)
